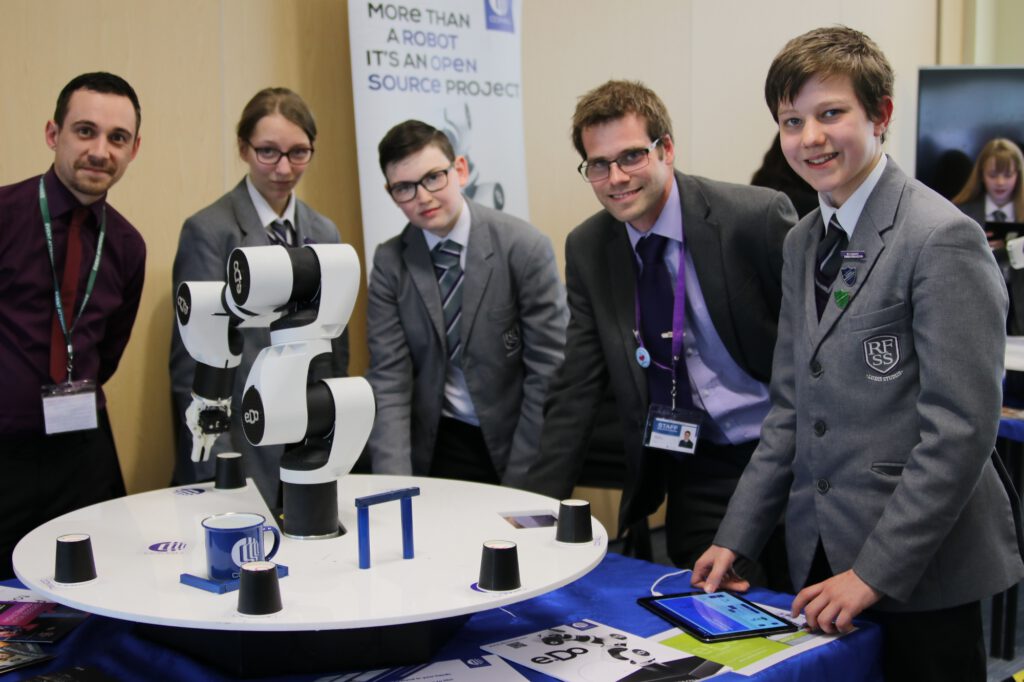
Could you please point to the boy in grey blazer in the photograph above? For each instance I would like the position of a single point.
(885, 388)
(466, 324)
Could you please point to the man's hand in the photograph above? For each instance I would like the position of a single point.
(831, 606)
(713, 570)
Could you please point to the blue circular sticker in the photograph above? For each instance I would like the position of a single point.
(643, 358)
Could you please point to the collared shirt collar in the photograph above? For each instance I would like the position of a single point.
(459, 233)
(61, 201)
(667, 224)
(1007, 208)
(849, 212)
(266, 214)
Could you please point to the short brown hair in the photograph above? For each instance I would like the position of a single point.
(612, 101)
(276, 101)
(409, 137)
(825, 53)
(103, 83)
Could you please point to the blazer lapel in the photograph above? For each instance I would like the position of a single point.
(248, 221)
(421, 270)
(477, 274)
(878, 217)
(303, 220)
(622, 281)
(701, 239)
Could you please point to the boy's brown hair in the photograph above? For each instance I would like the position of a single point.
(825, 53)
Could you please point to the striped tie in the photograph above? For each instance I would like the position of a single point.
(282, 233)
(449, 280)
(828, 259)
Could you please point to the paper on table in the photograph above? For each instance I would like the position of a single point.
(586, 651)
(477, 669)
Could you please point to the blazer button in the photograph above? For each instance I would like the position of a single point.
(816, 370)
(823, 485)
(819, 428)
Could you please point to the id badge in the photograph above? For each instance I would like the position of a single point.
(673, 430)
(69, 406)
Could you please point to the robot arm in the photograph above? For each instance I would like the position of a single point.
(283, 401)
(209, 335)
(305, 295)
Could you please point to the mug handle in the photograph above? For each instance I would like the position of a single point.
(277, 540)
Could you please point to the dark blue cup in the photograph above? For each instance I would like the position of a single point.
(233, 539)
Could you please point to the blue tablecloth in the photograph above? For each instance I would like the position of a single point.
(1012, 429)
(608, 595)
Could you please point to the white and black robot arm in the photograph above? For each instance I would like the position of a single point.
(209, 335)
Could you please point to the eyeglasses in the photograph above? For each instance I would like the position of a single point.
(270, 156)
(434, 181)
(628, 161)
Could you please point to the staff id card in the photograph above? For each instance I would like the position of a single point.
(69, 406)
(674, 430)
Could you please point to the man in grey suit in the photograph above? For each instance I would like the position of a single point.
(466, 322)
(275, 137)
(626, 332)
(886, 386)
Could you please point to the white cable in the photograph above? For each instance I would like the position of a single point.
(667, 575)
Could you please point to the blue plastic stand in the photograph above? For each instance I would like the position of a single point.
(220, 586)
(363, 505)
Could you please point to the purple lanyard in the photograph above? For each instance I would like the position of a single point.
(678, 316)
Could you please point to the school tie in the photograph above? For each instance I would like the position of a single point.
(449, 281)
(657, 299)
(68, 289)
(828, 259)
(282, 232)
(998, 216)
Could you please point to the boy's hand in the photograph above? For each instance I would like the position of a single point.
(713, 570)
(831, 606)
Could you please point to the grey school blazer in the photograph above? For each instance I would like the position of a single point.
(884, 414)
(206, 240)
(512, 329)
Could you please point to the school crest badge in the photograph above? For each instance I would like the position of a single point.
(882, 353)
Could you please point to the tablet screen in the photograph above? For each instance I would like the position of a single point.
(716, 616)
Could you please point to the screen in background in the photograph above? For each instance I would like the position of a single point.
(959, 109)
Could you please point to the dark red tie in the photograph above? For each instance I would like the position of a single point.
(68, 289)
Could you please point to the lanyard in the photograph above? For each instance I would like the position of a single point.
(44, 208)
(678, 316)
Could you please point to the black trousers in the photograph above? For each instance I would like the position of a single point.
(943, 645)
(460, 453)
(47, 476)
(699, 488)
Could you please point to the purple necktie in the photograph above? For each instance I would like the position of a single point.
(656, 296)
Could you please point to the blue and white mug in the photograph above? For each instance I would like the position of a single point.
(233, 539)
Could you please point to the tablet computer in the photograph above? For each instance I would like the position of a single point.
(1003, 230)
(717, 616)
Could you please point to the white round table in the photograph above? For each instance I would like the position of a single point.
(142, 543)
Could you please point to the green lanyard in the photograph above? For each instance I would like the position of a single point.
(48, 229)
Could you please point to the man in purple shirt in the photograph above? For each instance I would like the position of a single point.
(674, 292)
(61, 241)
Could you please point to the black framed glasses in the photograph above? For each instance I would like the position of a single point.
(269, 156)
(628, 161)
(434, 181)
